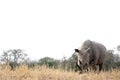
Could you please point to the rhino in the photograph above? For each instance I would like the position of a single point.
(91, 54)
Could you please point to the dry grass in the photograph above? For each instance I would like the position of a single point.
(43, 73)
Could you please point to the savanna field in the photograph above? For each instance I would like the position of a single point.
(43, 73)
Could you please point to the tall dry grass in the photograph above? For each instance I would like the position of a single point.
(44, 73)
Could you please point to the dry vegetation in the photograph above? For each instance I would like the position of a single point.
(43, 73)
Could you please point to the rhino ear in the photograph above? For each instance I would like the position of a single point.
(88, 50)
(76, 50)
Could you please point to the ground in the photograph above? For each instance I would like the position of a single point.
(44, 73)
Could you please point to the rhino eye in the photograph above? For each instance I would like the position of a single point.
(82, 54)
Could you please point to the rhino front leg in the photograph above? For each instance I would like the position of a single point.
(94, 65)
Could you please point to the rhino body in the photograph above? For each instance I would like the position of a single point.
(91, 54)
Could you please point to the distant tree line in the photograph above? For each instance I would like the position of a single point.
(16, 57)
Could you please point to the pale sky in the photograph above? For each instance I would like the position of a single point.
(54, 28)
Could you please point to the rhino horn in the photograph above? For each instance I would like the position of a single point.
(87, 50)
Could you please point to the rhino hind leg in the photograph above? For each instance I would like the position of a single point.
(100, 66)
(94, 68)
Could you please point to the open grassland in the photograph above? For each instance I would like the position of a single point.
(43, 73)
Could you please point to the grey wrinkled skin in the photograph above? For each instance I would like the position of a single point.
(91, 54)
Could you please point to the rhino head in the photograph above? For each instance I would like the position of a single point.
(83, 58)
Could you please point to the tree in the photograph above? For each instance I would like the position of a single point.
(49, 62)
(13, 57)
(118, 48)
(63, 63)
(112, 59)
(109, 60)
(5, 57)
(72, 62)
